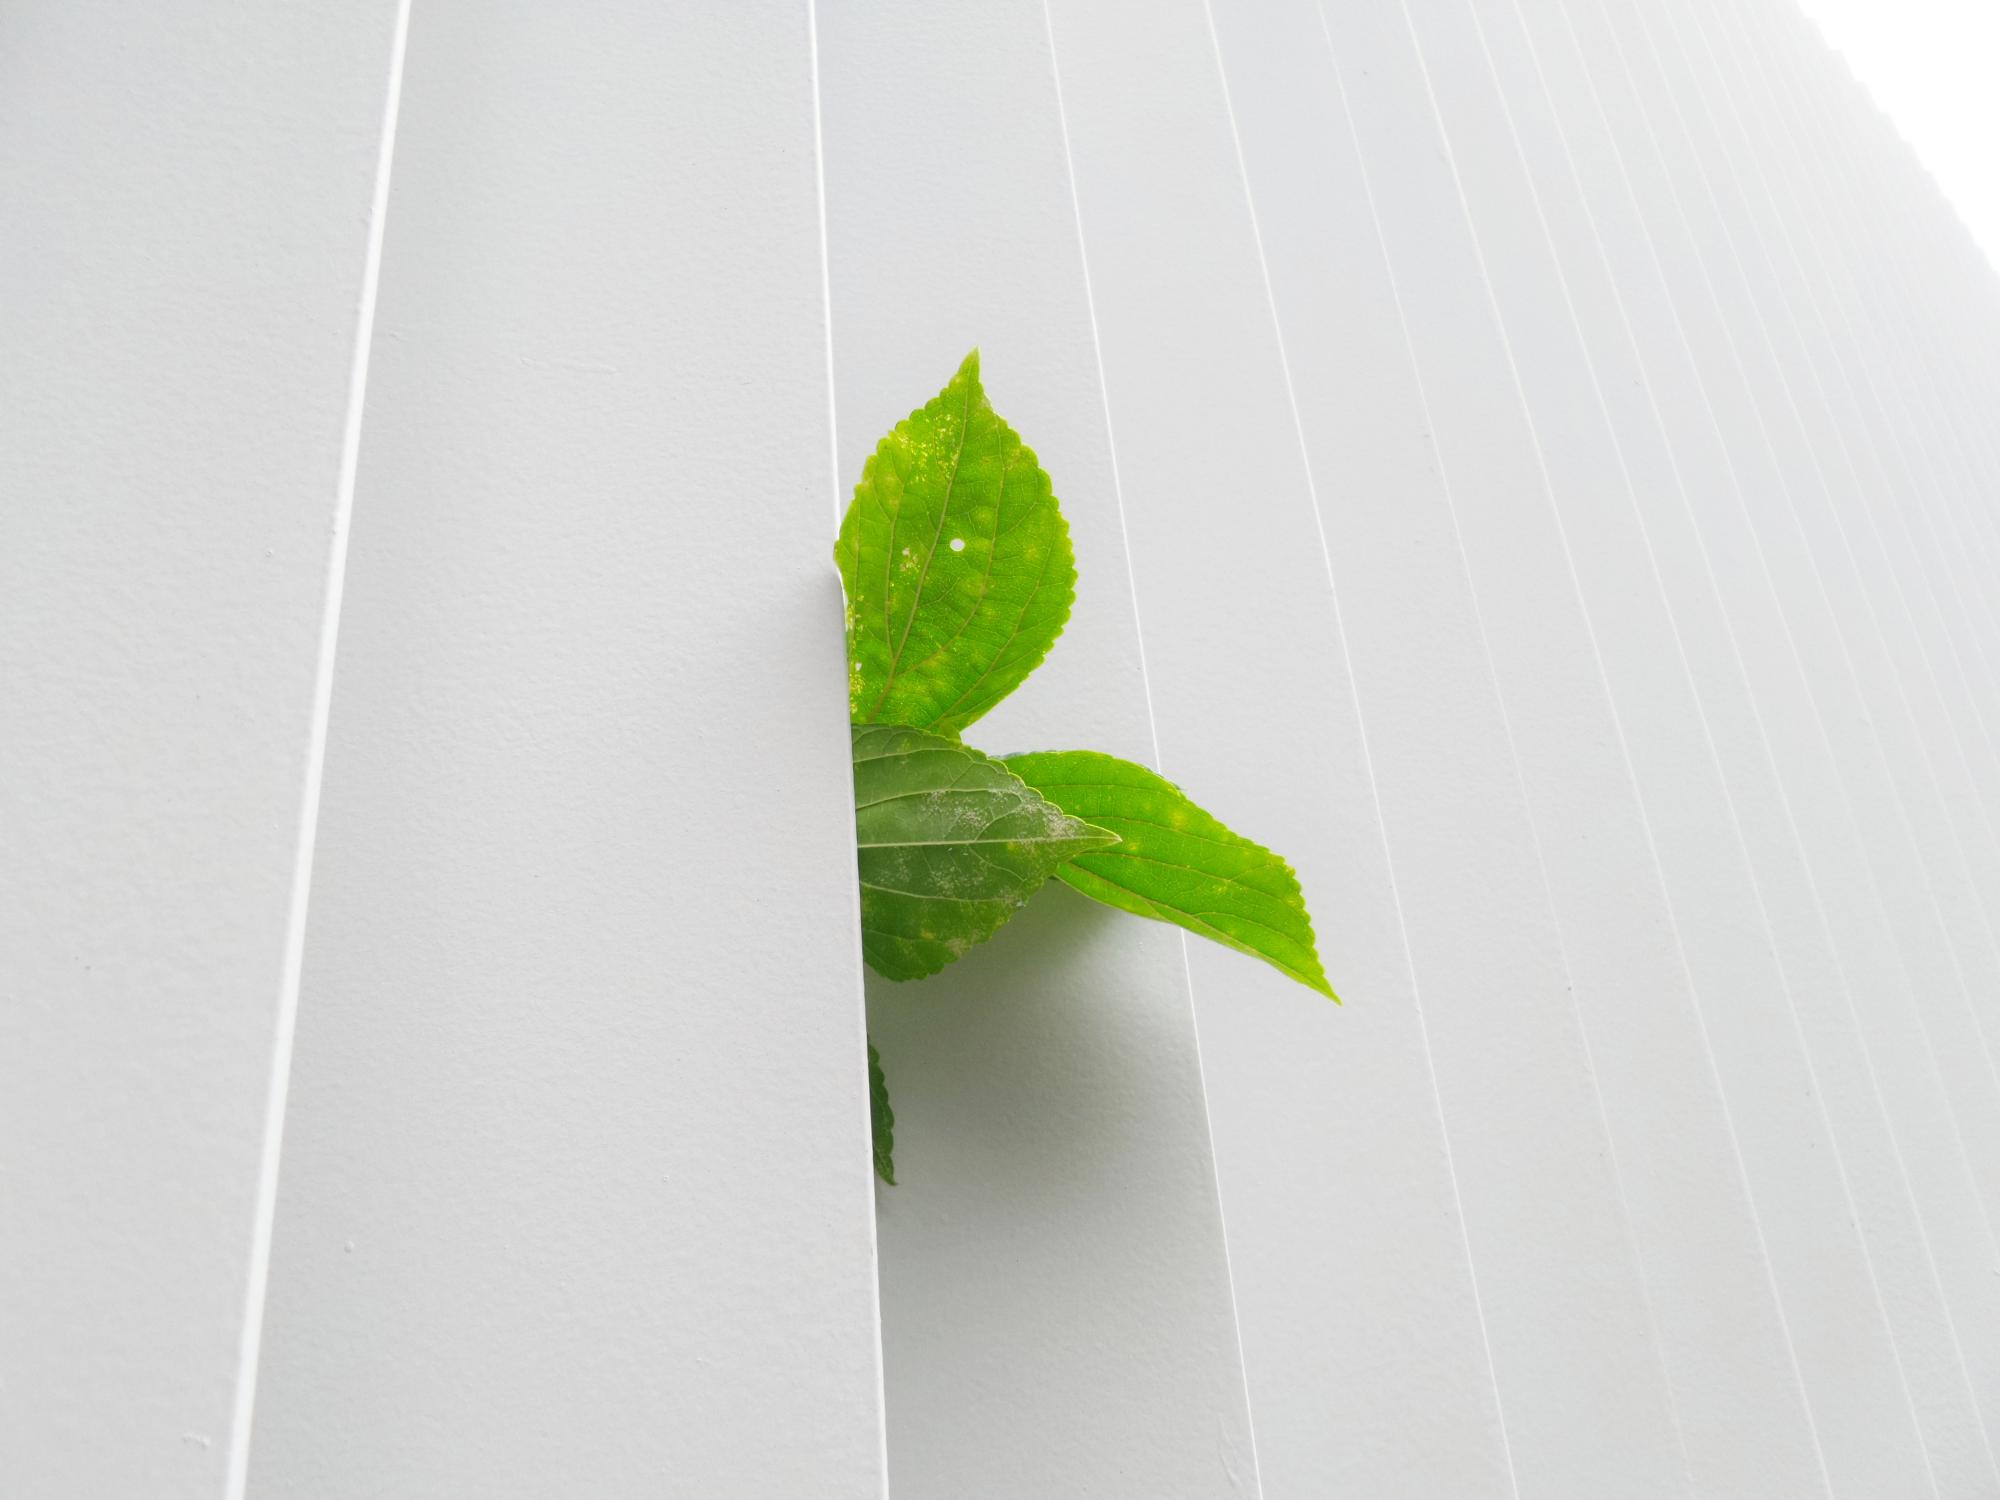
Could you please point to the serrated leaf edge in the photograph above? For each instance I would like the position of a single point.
(881, 1119)
(949, 721)
(1067, 873)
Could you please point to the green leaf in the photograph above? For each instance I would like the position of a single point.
(1176, 863)
(957, 565)
(951, 845)
(881, 1119)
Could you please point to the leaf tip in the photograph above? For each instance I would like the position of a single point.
(1315, 979)
(968, 368)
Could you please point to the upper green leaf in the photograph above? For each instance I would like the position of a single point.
(951, 845)
(881, 1119)
(957, 565)
(1175, 862)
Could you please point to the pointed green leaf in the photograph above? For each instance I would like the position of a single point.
(881, 1119)
(1176, 863)
(951, 845)
(957, 565)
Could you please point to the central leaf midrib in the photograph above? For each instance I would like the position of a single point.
(923, 573)
(968, 843)
(1005, 898)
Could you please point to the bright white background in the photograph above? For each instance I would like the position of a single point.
(1929, 64)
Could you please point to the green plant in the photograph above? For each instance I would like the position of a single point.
(959, 578)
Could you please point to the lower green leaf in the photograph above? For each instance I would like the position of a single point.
(1176, 863)
(951, 845)
(881, 1119)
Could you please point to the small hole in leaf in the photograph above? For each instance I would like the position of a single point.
(958, 544)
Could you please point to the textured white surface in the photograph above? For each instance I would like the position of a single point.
(1779, 620)
(1328, 1130)
(1530, 461)
(1903, 277)
(1055, 1290)
(576, 1181)
(184, 212)
(1932, 810)
(1577, 1354)
(1780, 954)
(1681, 1002)
(1849, 364)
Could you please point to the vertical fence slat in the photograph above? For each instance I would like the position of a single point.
(1657, 398)
(1869, 651)
(1457, 828)
(1878, 507)
(1884, 764)
(184, 221)
(1839, 790)
(1777, 1134)
(576, 1192)
(1367, 1360)
(1894, 286)
(1056, 1302)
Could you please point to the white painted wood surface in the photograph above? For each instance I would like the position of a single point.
(185, 208)
(1056, 1307)
(1734, 480)
(1683, 485)
(576, 1180)
(1257, 717)
(1530, 461)
(1725, 1018)
(1912, 838)
(1566, 1339)
(1919, 841)
(1906, 506)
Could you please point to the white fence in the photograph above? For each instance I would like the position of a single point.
(1529, 460)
